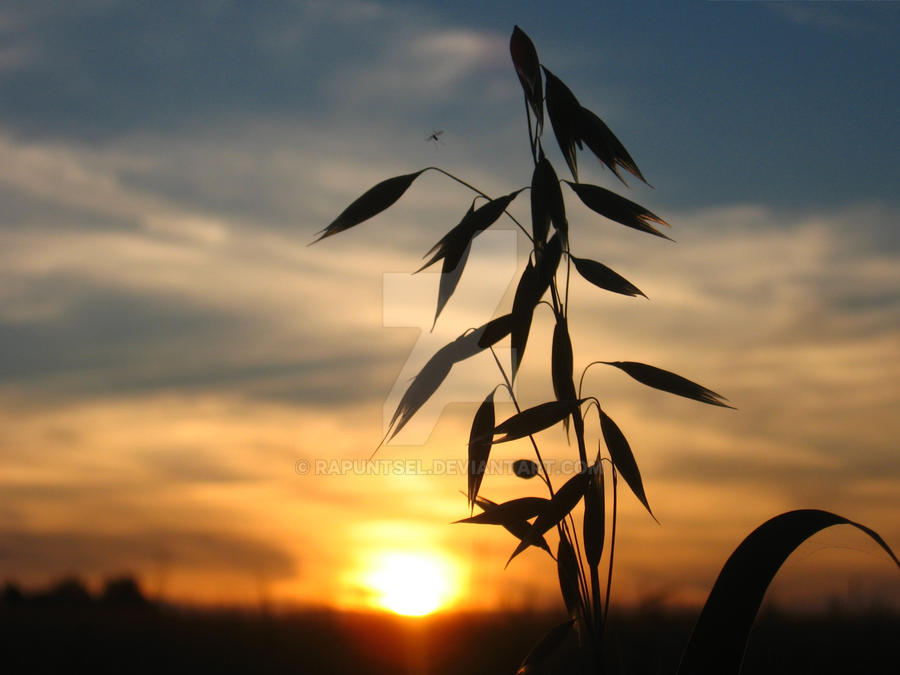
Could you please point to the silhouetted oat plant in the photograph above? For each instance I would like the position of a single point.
(584, 564)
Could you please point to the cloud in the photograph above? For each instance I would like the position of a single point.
(830, 19)
(53, 554)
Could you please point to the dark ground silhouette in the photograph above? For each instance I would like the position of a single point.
(67, 629)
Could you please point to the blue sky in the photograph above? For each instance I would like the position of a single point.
(163, 166)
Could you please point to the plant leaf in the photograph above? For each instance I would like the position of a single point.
(524, 302)
(525, 468)
(535, 419)
(719, 639)
(617, 208)
(600, 275)
(594, 527)
(670, 382)
(622, 457)
(565, 117)
(567, 571)
(561, 361)
(422, 387)
(548, 644)
(493, 331)
(521, 509)
(533, 283)
(511, 522)
(450, 279)
(438, 367)
(540, 209)
(479, 450)
(454, 241)
(560, 505)
(375, 200)
(525, 59)
(561, 364)
(547, 204)
(472, 224)
(604, 144)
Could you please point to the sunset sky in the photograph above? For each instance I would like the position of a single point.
(184, 383)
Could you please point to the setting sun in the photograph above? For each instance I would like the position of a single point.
(411, 584)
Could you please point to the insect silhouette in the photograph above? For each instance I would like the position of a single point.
(435, 137)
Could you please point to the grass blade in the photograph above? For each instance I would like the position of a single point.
(603, 277)
(535, 419)
(623, 211)
(450, 276)
(512, 516)
(669, 382)
(594, 526)
(375, 200)
(559, 506)
(472, 224)
(480, 450)
(623, 458)
(525, 59)
(423, 385)
(547, 203)
(567, 571)
(719, 639)
(521, 509)
(604, 144)
(565, 114)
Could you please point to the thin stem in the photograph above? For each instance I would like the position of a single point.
(486, 196)
(612, 545)
(512, 395)
(584, 372)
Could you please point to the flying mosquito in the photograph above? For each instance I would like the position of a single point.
(435, 137)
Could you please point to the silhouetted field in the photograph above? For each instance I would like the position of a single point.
(124, 635)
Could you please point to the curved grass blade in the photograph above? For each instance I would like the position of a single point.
(561, 364)
(561, 361)
(604, 144)
(567, 571)
(493, 331)
(548, 644)
(603, 277)
(450, 276)
(559, 506)
(454, 240)
(719, 639)
(547, 204)
(479, 450)
(565, 118)
(623, 458)
(594, 526)
(371, 203)
(521, 509)
(533, 283)
(670, 382)
(617, 208)
(535, 419)
(512, 516)
(433, 373)
(423, 385)
(525, 300)
(525, 59)
(472, 224)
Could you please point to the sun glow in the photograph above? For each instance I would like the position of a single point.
(411, 584)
